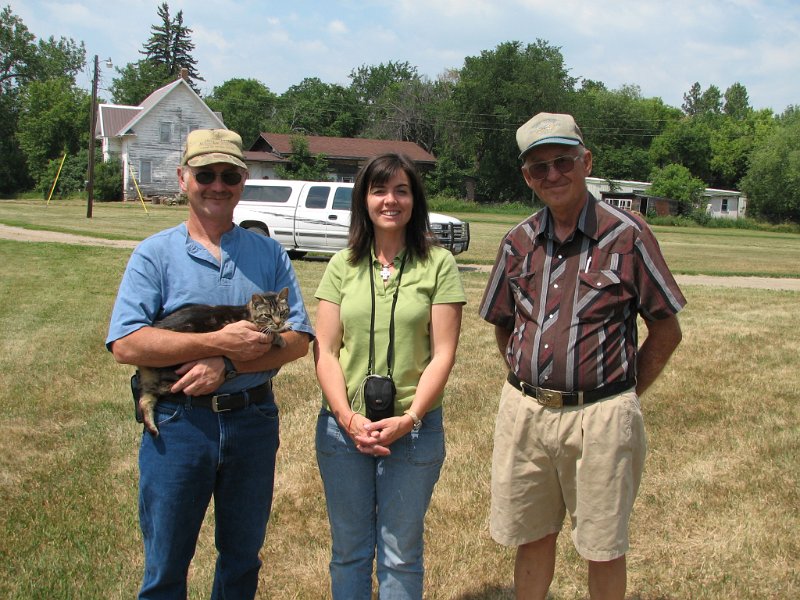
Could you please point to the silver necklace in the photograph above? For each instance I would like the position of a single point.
(385, 272)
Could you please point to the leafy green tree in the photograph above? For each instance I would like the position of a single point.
(246, 105)
(108, 180)
(686, 142)
(316, 108)
(733, 141)
(23, 61)
(772, 183)
(71, 178)
(302, 165)
(619, 126)
(137, 81)
(497, 92)
(54, 118)
(677, 182)
(737, 102)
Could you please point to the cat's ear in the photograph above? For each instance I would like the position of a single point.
(284, 293)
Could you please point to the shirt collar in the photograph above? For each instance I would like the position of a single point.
(587, 220)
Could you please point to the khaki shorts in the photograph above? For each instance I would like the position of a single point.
(547, 461)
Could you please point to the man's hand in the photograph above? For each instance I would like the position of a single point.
(200, 377)
(242, 341)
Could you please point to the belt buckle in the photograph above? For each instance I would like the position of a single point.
(549, 398)
(215, 403)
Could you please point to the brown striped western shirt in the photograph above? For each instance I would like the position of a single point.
(571, 307)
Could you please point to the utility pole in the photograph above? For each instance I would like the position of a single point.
(92, 127)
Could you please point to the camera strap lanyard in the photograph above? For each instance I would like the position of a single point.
(390, 351)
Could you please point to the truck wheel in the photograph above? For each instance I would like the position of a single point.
(293, 254)
(260, 230)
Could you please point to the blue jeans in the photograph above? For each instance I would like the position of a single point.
(199, 454)
(376, 508)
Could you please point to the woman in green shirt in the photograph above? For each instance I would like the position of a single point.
(389, 305)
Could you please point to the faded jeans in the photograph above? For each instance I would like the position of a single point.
(199, 454)
(376, 508)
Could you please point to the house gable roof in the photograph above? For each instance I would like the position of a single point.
(113, 117)
(116, 112)
(280, 144)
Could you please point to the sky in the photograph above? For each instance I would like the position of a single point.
(661, 46)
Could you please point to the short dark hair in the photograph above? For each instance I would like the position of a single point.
(378, 170)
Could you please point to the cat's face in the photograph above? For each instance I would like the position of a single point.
(270, 309)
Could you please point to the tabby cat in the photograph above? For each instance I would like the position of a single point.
(269, 311)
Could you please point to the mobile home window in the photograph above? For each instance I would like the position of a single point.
(724, 205)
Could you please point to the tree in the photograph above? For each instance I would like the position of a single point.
(302, 165)
(676, 182)
(732, 143)
(619, 126)
(691, 100)
(137, 81)
(686, 142)
(166, 52)
(170, 45)
(737, 103)
(54, 118)
(315, 108)
(23, 61)
(247, 106)
(497, 92)
(772, 183)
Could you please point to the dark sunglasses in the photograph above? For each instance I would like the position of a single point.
(563, 164)
(209, 177)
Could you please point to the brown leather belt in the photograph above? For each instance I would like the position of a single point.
(556, 399)
(224, 402)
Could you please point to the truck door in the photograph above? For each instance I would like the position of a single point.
(339, 217)
(311, 217)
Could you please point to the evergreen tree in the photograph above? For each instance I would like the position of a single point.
(170, 45)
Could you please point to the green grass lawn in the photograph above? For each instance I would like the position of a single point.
(716, 516)
(688, 250)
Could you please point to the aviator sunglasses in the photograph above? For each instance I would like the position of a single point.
(563, 164)
(208, 177)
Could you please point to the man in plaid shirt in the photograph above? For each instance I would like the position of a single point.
(564, 296)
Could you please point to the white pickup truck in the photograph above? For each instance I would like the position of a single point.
(314, 216)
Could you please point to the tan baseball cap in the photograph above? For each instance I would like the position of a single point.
(210, 146)
(548, 128)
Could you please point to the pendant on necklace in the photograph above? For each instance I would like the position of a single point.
(385, 272)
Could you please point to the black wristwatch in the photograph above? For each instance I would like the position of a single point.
(230, 369)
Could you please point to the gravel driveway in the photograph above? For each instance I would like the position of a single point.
(35, 235)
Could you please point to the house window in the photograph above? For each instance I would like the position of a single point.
(347, 179)
(166, 133)
(724, 205)
(145, 171)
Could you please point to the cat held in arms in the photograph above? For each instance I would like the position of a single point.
(269, 311)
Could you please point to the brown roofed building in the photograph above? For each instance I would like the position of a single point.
(344, 155)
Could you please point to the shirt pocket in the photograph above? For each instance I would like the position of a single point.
(603, 295)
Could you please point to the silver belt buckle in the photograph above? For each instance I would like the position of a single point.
(549, 398)
(215, 403)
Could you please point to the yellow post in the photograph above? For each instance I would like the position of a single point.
(138, 191)
(58, 173)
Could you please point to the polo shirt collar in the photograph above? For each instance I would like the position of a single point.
(587, 220)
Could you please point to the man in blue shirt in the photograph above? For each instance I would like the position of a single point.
(218, 430)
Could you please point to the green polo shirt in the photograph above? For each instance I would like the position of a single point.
(433, 281)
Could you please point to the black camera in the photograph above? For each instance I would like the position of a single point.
(379, 393)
